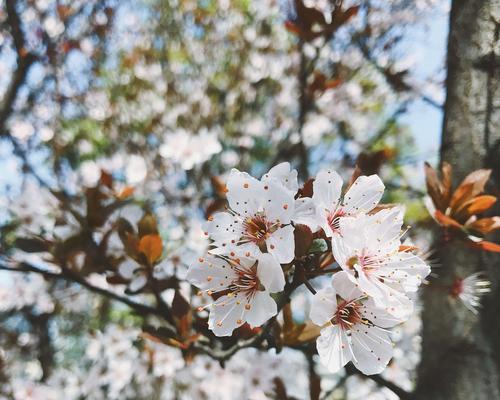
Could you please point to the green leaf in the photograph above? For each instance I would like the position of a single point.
(318, 246)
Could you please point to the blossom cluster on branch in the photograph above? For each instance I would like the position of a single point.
(265, 238)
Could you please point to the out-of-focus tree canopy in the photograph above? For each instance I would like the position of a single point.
(119, 124)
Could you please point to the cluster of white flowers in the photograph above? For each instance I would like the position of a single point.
(255, 237)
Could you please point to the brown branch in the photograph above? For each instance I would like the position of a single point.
(304, 107)
(381, 381)
(75, 278)
(24, 62)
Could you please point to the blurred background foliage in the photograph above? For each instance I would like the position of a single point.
(113, 111)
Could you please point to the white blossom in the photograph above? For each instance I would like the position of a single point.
(353, 328)
(360, 198)
(244, 285)
(260, 214)
(369, 251)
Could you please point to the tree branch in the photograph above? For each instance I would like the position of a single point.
(381, 381)
(72, 277)
(24, 62)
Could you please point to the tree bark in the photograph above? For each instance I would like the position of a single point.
(461, 351)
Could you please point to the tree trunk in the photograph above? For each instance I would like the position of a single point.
(461, 351)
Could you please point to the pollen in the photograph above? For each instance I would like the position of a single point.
(247, 306)
(239, 321)
(285, 206)
(201, 259)
(245, 185)
(209, 278)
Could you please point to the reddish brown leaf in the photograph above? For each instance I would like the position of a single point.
(433, 187)
(307, 189)
(106, 179)
(485, 245)
(480, 204)
(446, 221)
(180, 306)
(471, 186)
(485, 225)
(147, 225)
(303, 239)
(218, 186)
(446, 171)
(125, 193)
(152, 247)
(293, 28)
(460, 197)
(307, 17)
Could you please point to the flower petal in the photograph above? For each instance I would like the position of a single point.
(281, 244)
(262, 308)
(278, 203)
(372, 348)
(326, 189)
(378, 316)
(284, 174)
(333, 348)
(226, 314)
(137, 283)
(323, 306)
(364, 194)
(223, 227)
(210, 273)
(244, 193)
(345, 286)
(270, 273)
(305, 213)
(127, 268)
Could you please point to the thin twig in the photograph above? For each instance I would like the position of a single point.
(381, 381)
(73, 277)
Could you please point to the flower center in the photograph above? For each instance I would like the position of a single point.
(347, 314)
(333, 219)
(257, 229)
(246, 281)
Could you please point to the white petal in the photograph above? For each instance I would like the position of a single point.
(383, 229)
(305, 213)
(340, 251)
(224, 227)
(281, 244)
(210, 273)
(285, 175)
(327, 188)
(244, 193)
(378, 316)
(333, 348)
(270, 273)
(137, 283)
(372, 286)
(405, 271)
(372, 348)
(345, 286)
(226, 314)
(127, 268)
(278, 203)
(262, 307)
(323, 306)
(364, 194)
(352, 230)
(429, 204)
